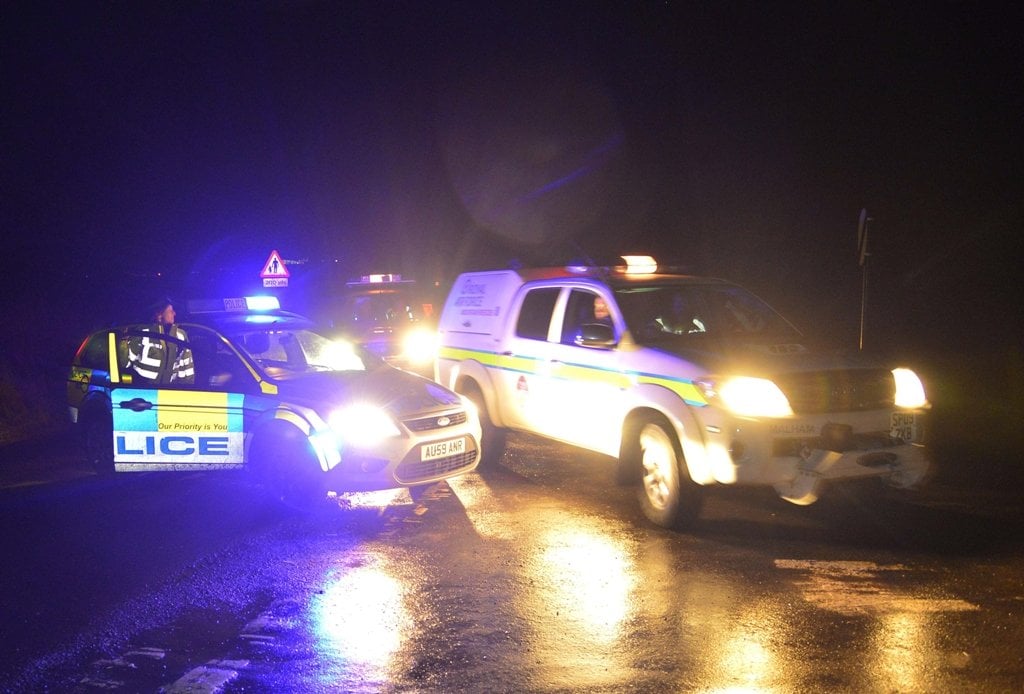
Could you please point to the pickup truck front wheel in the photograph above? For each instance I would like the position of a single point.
(667, 495)
(492, 438)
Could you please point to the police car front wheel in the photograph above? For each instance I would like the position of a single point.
(288, 468)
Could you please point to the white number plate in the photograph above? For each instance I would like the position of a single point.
(904, 426)
(442, 449)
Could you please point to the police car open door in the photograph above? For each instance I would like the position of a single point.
(166, 423)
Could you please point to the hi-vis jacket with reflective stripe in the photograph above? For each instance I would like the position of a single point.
(159, 359)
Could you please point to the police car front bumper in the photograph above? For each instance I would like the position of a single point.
(399, 464)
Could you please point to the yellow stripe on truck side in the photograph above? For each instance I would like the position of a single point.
(685, 389)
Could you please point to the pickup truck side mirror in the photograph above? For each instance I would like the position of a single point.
(596, 335)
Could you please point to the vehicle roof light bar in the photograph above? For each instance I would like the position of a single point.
(640, 264)
(239, 304)
(262, 303)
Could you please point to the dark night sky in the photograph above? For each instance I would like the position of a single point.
(738, 139)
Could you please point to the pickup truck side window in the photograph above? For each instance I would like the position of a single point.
(583, 308)
(535, 314)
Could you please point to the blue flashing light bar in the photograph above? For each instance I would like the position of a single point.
(261, 319)
(262, 303)
(240, 304)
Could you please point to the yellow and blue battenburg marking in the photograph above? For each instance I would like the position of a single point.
(684, 388)
(157, 429)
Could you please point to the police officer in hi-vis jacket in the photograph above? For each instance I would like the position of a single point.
(162, 360)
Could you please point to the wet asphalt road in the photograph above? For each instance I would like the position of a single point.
(539, 576)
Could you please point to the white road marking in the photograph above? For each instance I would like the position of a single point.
(208, 678)
(101, 683)
(148, 652)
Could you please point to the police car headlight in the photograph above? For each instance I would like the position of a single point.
(363, 425)
(909, 389)
(748, 397)
(420, 346)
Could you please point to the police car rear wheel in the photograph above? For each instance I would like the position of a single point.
(667, 495)
(98, 435)
(492, 438)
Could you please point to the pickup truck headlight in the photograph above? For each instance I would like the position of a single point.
(748, 397)
(909, 389)
(363, 426)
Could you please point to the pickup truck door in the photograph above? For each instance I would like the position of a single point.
(559, 388)
(520, 383)
(583, 382)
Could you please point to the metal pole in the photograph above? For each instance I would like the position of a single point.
(862, 258)
(863, 300)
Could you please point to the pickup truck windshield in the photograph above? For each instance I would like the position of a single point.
(694, 311)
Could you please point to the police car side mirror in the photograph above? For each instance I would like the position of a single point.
(596, 335)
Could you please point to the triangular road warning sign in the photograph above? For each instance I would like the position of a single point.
(274, 267)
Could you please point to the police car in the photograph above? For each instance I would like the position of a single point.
(686, 381)
(265, 392)
(390, 316)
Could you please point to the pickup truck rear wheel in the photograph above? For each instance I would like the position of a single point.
(668, 497)
(492, 438)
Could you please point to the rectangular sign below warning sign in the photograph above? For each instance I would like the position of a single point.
(275, 281)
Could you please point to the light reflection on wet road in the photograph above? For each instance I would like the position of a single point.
(542, 576)
(364, 640)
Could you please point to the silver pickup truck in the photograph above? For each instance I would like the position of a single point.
(686, 381)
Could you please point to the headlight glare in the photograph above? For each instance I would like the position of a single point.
(749, 397)
(420, 346)
(363, 425)
(340, 355)
(909, 389)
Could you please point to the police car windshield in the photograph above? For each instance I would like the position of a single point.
(299, 350)
(697, 311)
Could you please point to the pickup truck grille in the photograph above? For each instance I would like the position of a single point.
(848, 390)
